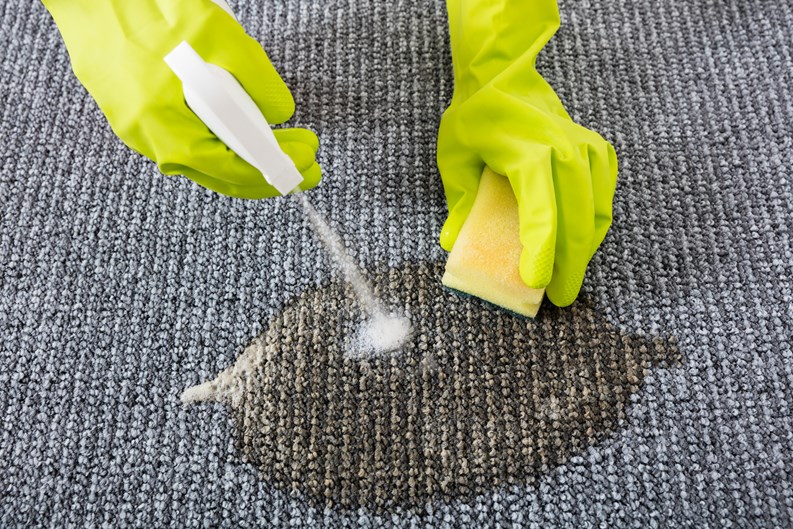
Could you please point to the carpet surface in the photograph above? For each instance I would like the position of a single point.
(662, 398)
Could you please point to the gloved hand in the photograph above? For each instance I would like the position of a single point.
(117, 49)
(504, 115)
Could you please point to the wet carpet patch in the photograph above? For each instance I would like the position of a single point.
(478, 399)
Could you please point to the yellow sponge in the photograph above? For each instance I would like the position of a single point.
(485, 259)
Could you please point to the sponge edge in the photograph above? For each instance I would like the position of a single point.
(485, 260)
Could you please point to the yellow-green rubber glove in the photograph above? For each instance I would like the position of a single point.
(117, 49)
(504, 115)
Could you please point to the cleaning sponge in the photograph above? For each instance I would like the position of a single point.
(485, 259)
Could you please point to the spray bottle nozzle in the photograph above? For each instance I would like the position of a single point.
(215, 96)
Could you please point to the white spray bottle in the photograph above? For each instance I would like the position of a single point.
(218, 99)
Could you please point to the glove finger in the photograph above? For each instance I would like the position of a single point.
(227, 174)
(532, 181)
(461, 171)
(198, 154)
(224, 188)
(247, 61)
(311, 177)
(576, 226)
(603, 166)
(460, 176)
(302, 155)
(304, 136)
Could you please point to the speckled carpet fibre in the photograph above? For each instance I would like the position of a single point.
(662, 398)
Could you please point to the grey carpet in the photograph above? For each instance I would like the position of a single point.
(661, 399)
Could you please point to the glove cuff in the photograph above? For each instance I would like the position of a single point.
(492, 39)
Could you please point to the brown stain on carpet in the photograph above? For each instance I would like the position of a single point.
(478, 399)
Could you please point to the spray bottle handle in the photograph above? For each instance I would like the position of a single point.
(218, 99)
